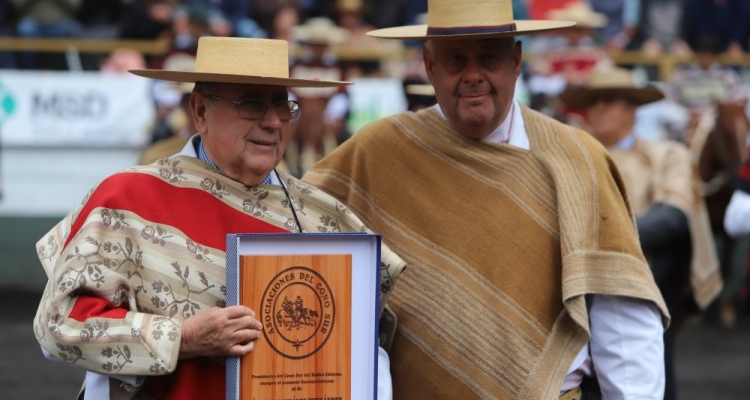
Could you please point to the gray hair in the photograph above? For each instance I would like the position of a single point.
(205, 88)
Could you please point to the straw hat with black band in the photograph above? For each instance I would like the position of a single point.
(614, 82)
(241, 61)
(452, 19)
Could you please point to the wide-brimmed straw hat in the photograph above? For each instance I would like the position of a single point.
(455, 19)
(581, 13)
(320, 31)
(239, 60)
(615, 82)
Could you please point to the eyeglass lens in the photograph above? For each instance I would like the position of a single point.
(254, 109)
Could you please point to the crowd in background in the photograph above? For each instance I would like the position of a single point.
(605, 27)
(328, 41)
(653, 26)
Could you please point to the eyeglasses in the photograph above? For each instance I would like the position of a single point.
(255, 109)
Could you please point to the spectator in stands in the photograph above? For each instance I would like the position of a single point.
(569, 57)
(45, 19)
(323, 109)
(277, 17)
(229, 17)
(283, 22)
(179, 119)
(699, 85)
(661, 28)
(146, 19)
(672, 222)
(189, 24)
(167, 96)
(661, 120)
(566, 59)
(415, 8)
(386, 13)
(313, 8)
(622, 16)
(7, 59)
(726, 20)
(121, 61)
(538, 9)
(350, 16)
(100, 18)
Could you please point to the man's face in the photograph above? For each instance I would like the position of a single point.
(246, 150)
(611, 119)
(474, 81)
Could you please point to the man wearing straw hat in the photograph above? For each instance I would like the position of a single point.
(672, 219)
(136, 292)
(526, 273)
(324, 109)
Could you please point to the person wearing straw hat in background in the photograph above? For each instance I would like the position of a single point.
(419, 95)
(137, 272)
(671, 217)
(569, 57)
(370, 56)
(178, 120)
(323, 109)
(526, 274)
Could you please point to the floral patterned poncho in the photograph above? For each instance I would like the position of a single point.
(145, 251)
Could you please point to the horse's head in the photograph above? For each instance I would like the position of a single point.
(732, 126)
(724, 148)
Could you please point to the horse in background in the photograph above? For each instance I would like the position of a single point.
(719, 147)
(720, 155)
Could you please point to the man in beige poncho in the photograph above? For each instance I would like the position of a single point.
(526, 273)
(672, 220)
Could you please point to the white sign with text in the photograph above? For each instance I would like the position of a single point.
(88, 109)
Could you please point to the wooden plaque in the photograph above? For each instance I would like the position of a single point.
(317, 296)
(305, 349)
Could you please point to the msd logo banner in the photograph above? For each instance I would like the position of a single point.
(7, 104)
(43, 109)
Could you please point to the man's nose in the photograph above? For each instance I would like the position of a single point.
(473, 73)
(270, 119)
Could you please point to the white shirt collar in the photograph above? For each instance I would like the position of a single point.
(518, 135)
(189, 151)
(626, 143)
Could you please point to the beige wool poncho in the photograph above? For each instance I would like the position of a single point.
(503, 243)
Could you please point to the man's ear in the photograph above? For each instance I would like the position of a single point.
(199, 108)
(428, 62)
(517, 57)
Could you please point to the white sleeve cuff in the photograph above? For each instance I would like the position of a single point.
(737, 217)
(385, 387)
(627, 347)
